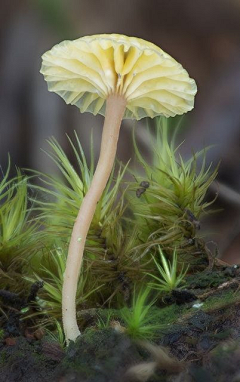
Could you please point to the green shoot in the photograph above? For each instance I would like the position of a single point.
(170, 278)
(141, 319)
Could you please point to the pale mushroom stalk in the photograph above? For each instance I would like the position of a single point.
(119, 77)
(115, 108)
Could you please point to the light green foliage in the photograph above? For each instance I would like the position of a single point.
(122, 242)
(50, 296)
(141, 319)
(63, 197)
(109, 241)
(167, 212)
(17, 232)
(170, 277)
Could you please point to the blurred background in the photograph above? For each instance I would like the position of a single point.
(203, 35)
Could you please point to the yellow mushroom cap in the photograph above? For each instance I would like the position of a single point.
(84, 72)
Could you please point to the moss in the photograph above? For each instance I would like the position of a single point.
(98, 353)
(169, 314)
(205, 279)
(164, 315)
(221, 300)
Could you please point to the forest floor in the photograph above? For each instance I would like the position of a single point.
(199, 341)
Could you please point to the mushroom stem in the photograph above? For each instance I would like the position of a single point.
(115, 108)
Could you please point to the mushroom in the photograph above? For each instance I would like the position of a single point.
(119, 77)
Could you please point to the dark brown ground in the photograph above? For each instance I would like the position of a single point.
(206, 341)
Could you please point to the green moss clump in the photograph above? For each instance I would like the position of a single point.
(18, 233)
(159, 207)
(207, 279)
(100, 353)
(223, 299)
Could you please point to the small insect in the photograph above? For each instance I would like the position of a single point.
(143, 186)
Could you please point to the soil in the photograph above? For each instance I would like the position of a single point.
(199, 342)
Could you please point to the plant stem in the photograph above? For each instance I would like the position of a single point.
(115, 108)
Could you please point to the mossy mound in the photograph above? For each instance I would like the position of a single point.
(99, 356)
